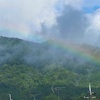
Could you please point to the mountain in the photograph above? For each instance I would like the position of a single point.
(72, 56)
(31, 68)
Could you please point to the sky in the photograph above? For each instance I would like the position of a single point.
(40, 20)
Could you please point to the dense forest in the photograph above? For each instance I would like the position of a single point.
(29, 70)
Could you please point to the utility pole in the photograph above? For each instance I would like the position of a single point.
(91, 94)
(58, 90)
(10, 97)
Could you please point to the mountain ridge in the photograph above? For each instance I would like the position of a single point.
(45, 50)
(27, 68)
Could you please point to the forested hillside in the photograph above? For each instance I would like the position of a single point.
(28, 69)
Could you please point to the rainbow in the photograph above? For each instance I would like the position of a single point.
(76, 49)
(73, 48)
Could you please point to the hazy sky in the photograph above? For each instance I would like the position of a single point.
(37, 20)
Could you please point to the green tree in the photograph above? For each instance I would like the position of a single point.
(51, 97)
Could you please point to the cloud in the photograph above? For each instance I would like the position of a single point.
(26, 17)
(78, 26)
(71, 25)
(93, 30)
(28, 12)
(38, 20)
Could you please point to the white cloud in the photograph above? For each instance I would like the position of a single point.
(26, 16)
(93, 30)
